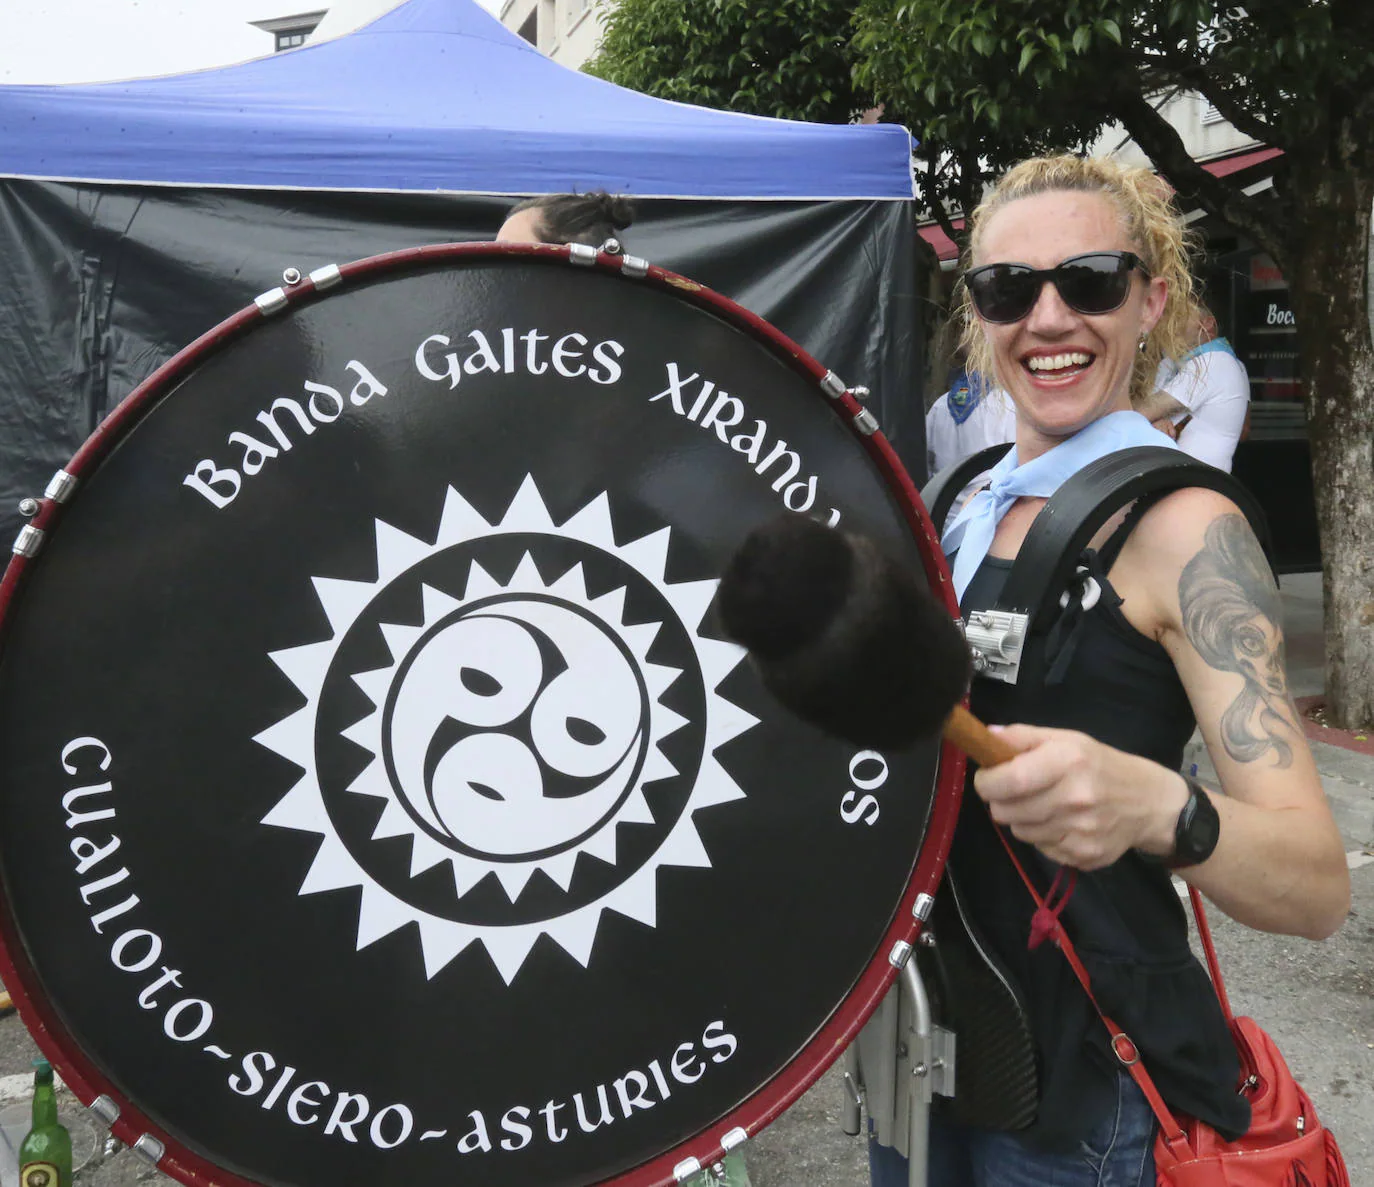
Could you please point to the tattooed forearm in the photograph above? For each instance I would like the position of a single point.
(1233, 616)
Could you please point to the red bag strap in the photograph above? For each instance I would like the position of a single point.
(1209, 949)
(1046, 925)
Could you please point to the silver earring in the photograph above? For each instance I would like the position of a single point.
(1144, 338)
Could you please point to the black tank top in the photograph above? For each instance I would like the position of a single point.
(1107, 680)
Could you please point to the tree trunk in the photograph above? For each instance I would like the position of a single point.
(1328, 273)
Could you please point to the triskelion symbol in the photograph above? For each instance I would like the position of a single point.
(512, 732)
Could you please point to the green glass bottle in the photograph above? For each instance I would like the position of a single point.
(45, 1154)
(730, 1172)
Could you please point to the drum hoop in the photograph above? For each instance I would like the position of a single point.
(771, 1100)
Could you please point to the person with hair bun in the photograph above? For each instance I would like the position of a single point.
(590, 219)
(1078, 285)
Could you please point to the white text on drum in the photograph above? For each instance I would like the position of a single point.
(390, 1125)
(321, 405)
(633, 1091)
(565, 356)
(717, 409)
(868, 772)
(339, 1113)
(134, 950)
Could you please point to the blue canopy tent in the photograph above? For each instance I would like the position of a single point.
(135, 215)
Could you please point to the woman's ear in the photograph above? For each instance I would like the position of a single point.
(1156, 296)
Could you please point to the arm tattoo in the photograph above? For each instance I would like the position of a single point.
(1233, 616)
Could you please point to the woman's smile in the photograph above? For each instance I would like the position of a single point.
(1053, 368)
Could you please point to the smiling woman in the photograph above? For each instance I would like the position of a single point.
(1093, 228)
(1078, 284)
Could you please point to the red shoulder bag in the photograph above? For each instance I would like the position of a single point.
(1285, 1146)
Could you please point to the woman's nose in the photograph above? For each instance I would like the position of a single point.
(1050, 314)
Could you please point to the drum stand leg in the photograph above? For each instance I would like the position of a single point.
(931, 1051)
(852, 1114)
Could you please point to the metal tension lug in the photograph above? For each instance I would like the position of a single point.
(29, 541)
(582, 254)
(326, 277)
(105, 1108)
(60, 487)
(686, 1169)
(272, 301)
(149, 1149)
(832, 385)
(996, 638)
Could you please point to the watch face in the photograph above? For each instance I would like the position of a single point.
(1199, 827)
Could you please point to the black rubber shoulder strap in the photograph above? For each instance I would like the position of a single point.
(940, 492)
(1079, 508)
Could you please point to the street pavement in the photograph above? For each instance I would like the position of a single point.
(1316, 999)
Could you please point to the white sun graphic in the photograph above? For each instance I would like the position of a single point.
(512, 733)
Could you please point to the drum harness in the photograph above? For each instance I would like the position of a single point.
(953, 1014)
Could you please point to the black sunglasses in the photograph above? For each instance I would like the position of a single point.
(1097, 282)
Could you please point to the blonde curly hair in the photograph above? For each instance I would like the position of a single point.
(1152, 223)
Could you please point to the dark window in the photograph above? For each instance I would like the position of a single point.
(292, 38)
(530, 29)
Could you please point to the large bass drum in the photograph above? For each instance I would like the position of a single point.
(379, 802)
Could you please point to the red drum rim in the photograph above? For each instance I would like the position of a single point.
(768, 1102)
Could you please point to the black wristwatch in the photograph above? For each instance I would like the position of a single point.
(1197, 830)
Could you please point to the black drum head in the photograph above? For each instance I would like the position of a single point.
(379, 800)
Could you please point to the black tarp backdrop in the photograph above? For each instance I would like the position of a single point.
(103, 283)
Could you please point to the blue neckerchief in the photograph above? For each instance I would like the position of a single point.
(965, 394)
(973, 528)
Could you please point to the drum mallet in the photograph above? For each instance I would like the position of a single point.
(849, 641)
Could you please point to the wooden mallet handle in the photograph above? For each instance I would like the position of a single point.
(976, 740)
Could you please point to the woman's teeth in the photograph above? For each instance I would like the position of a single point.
(1058, 362)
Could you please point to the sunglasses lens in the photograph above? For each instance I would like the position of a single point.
(1004, 292)
(1094, 284)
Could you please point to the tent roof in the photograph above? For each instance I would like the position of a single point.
(434, 95)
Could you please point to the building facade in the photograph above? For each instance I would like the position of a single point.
(288, 32)
(568, 31)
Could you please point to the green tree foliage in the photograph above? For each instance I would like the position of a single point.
(984, 83)
(785, 58)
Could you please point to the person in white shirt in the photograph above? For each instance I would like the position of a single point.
(1209, 391)
(970, 416)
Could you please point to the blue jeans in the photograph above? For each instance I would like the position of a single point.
(1119, 1152)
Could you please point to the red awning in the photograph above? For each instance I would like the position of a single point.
(1228, 165)
(945, 247)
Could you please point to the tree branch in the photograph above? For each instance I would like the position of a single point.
(1220, 97)
(944, 222)
(1165, 148)
(1169, 69)
(934, 187)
